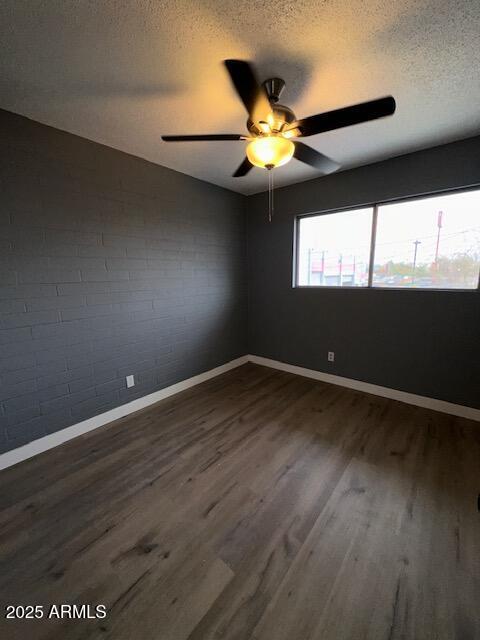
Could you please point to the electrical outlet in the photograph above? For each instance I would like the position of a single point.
(130, 381)
(331, 356)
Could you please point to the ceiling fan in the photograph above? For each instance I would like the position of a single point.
(272, 126)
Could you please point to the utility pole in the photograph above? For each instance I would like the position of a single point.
(439, 226)
(340, 268)
(416, 243)
(323, 267)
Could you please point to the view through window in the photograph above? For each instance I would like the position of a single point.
(431, 242)
(334, 249)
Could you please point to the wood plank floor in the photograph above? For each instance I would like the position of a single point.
(258, 505)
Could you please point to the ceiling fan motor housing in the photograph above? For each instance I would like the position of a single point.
(282, 115)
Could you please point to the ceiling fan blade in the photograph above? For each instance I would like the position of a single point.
(345, 117)
(314, 158)
(243, 169)
(208, 137)
(251, 92)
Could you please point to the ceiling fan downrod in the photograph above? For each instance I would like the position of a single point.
(274, 88)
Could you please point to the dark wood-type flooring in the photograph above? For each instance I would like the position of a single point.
(258, 505)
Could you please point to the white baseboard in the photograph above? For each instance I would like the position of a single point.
(54, 439)
(385, 392)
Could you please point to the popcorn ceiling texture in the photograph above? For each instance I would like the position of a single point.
(122, 73)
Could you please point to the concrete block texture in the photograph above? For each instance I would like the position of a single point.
(109, 266)
(425, 342)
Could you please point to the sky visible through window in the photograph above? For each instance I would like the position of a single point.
(431, 242)
(334, 249)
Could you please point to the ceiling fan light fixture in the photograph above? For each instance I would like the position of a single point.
(270, 151)
(271, 125)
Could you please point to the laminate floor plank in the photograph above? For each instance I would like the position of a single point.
(381, 561)
(258, 505)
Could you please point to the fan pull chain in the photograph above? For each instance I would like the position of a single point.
(270, 192)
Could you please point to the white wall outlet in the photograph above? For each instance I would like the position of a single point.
(130, 381)
(331, 356)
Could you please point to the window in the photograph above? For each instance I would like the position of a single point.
(334, 249)
(429, 243)
(422, 243)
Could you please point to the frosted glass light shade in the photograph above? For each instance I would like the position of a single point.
(270, 151)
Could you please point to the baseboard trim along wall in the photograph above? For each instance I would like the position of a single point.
(385, 392)
(59, 437)
(52, 440)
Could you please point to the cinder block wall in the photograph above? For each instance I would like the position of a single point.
(110, 266)
(420, 341)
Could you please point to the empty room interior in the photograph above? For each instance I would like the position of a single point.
(240, 320)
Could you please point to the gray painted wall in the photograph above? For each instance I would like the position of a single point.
(424, 342)
(110, 266)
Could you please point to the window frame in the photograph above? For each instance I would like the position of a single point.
(374, 206)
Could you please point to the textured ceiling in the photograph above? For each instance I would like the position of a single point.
(123, 72)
